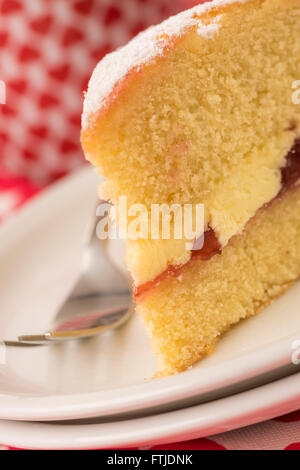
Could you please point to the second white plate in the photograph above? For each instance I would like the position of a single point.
(262, 403)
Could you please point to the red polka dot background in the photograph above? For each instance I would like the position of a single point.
(48, 51)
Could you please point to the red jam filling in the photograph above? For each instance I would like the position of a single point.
(290, 175)
(210, 247)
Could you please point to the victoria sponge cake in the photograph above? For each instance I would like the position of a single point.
(204, 109)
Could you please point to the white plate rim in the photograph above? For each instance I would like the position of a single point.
(233, 412)
(153, 393)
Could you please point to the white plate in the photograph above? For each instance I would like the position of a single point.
(39, 251)
(219, 416)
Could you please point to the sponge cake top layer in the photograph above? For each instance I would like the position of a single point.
(151, 43)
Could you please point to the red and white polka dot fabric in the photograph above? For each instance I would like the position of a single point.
(48, 51)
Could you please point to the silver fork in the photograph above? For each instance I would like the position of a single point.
(100, 299)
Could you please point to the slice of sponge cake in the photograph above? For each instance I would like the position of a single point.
(200, 109)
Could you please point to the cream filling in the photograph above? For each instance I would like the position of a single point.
(228, 206)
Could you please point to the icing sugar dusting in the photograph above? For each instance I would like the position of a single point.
(140, 50)
(209, 30)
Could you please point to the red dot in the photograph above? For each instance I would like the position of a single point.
(75, 119)
(68, 146)
(47, 101)
(113, 14)
(72, 36)
(18, 86)
(294, 446)
(10, 6)
(84, 7)
(3, 38)
(39, 131)
(29, 155)
(55, 175)
(3, 137)
(164, 11)
(28, 53)
(138, 28)
(60, 73)
(84, 83)
(41, 25)
(8, 110)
